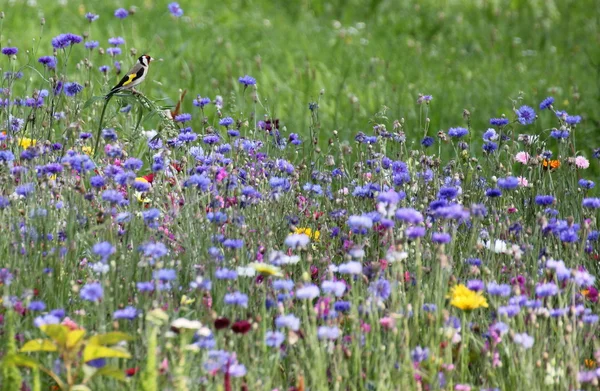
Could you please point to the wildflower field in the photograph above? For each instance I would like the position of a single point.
(344, 195)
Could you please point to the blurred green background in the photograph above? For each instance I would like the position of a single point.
(365, 54)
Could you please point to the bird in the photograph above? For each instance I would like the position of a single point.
(135, 76)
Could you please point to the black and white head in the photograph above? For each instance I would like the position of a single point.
(145, 60)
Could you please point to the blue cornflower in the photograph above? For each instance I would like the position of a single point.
(586, 184)
(151, 217)
(129, 313)
(113, 51)
(25, 189)
(112, 196)
(175, 10)
(380, 289)
(419, 354)
(546, 103)
(133, 164)
(326, 332)
(183, 117)
(36, 306)
(116, 41)
(457, 132)
(441, 237)
(427, 141)
(274, 338)
(559, 133)
(91, 45)
(145, 286)
(495, 289)
(91, 17)
(288, 321)
(121, 13)
(104, 250)
(226, 274)
(591, 203)
(544, 200)
(490, 147)
(447, 193)
(48, 61)
(200, 101)
(10, 51)
(97, 181)
(63, 40)
(72, 89)
(508, 183)
(490, 135)
(546, 290)
(236, 298)
(415, 232)
(226, 121)
(573, 119)
(165, 275)
(104, 69)
(525, 115)
(360, 224)
(499, 121)
(154, 250)
(92, 292)
(309, 292)
(247, 81)
(141, 185)
(211, 139)
(295, 241)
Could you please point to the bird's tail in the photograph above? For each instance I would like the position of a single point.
(111, 93)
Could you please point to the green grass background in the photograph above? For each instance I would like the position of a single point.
(474, 55)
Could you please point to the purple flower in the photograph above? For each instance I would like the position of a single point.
(495, 289)
(64, 40)
(380, 289)
(104, 250)
(509, 311)
(183, 117)
(457, 132)
(274, 338)
(165, 275)
(72, 89)
(546, 290)
(360, 223)
(591, 203)
(427, 141)
(419, 354)
(25, 189)
(326, 332)
(6, 277)
(121, 13)
(226, 121)
(288, 321)
(36, 306)
(92, 292)
(175, 10)
(233, 243)
(133, 164)
(48, 61)
(247, 81)
(583, 278)
(586, 184)
(335, 287)
(351, 267)
(415, 232)
(573, 119)
(508, 183)
(499, 122)
(91, 45)
(544, 200)
(476, 285)
(441, 237)
(236, 298)
(546, 103)
(116, 41)
(91, 17)
(493, 193)
(201, 102)
(104, 69)
(525, 115)
(10, 51)
(309, 292)
(113, 51)
(129, 313)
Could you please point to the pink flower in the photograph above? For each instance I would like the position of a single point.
(387, 322)
(582, 162)
(462, 387)
(523, 182)
(522, 157)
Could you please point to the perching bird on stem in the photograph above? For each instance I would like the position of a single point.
(135, 76)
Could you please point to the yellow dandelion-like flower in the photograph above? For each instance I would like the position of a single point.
(266, 269)
(466, 299)
(26, 142)
(309, 232)
(86, 149)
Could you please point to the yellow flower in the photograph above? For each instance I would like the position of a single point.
(266, 269)
(86, 149)
(466, 299)
(309, 232)
(142, 199)
(142, 179)
(25, 142)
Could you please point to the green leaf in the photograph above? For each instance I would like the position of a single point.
(39, 345)
(91, 101)
(57, 332)
(80, 387)
(20, 360)
(112, 372)
(74, 337)
(111, 338)
(93, 352)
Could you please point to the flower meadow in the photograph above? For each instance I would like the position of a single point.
(149, 248)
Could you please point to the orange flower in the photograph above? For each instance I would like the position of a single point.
(589, 363)
(550, 164)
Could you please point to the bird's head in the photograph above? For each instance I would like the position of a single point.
(145, 59)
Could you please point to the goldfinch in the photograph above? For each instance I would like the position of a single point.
(135, 76)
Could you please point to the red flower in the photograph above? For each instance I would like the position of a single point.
(149, 178)
(241, 327)
(222, 323)
(131, 371)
